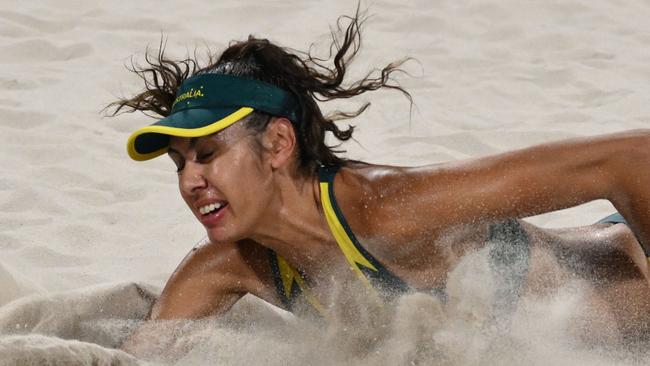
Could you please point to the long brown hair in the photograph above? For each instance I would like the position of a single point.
(309, 78)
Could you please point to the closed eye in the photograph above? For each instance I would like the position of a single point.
(203, 157)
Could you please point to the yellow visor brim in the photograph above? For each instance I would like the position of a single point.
(141, 153)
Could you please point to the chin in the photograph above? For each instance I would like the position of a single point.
(221, 236)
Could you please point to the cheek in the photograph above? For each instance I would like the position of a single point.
(251, 180)
(253, 183)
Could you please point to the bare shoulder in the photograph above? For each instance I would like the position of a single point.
(387, 201)
(211, 278)
(232, 258)
(401, 223)
(386, 184)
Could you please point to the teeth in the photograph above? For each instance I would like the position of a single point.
(209, 208)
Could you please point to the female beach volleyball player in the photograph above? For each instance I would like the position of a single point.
(287, 219)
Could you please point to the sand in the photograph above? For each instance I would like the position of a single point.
(88, 237)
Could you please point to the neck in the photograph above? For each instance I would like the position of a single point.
(294, 225)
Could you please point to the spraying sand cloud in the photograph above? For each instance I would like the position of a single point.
(80, 224)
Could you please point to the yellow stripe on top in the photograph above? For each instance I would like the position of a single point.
(288, 276)
(352, 254)
(213, 127)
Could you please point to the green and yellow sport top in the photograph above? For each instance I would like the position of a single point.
(292, 285)
(508, 256)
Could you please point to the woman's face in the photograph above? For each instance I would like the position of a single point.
(224, 181)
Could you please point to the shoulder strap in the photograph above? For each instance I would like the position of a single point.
(361, 262)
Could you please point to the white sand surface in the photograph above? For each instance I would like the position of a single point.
(80, 223)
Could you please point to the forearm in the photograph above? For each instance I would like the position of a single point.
(541, 179)
(614, 167)
(184, 301)
(631, 191)
(162, 333)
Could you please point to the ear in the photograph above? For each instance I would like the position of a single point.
(279, 141)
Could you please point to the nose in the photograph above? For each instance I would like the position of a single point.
(192, 178)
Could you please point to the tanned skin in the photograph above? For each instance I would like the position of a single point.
(418, 222)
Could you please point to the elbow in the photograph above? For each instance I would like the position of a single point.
(628, 167)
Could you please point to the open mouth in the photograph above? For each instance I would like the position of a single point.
(212, 208)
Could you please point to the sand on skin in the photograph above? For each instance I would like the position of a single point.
(81, 224)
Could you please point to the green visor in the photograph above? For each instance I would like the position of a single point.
(206, 104)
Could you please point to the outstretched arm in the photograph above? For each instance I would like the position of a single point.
(208, 282)
(532, 181)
